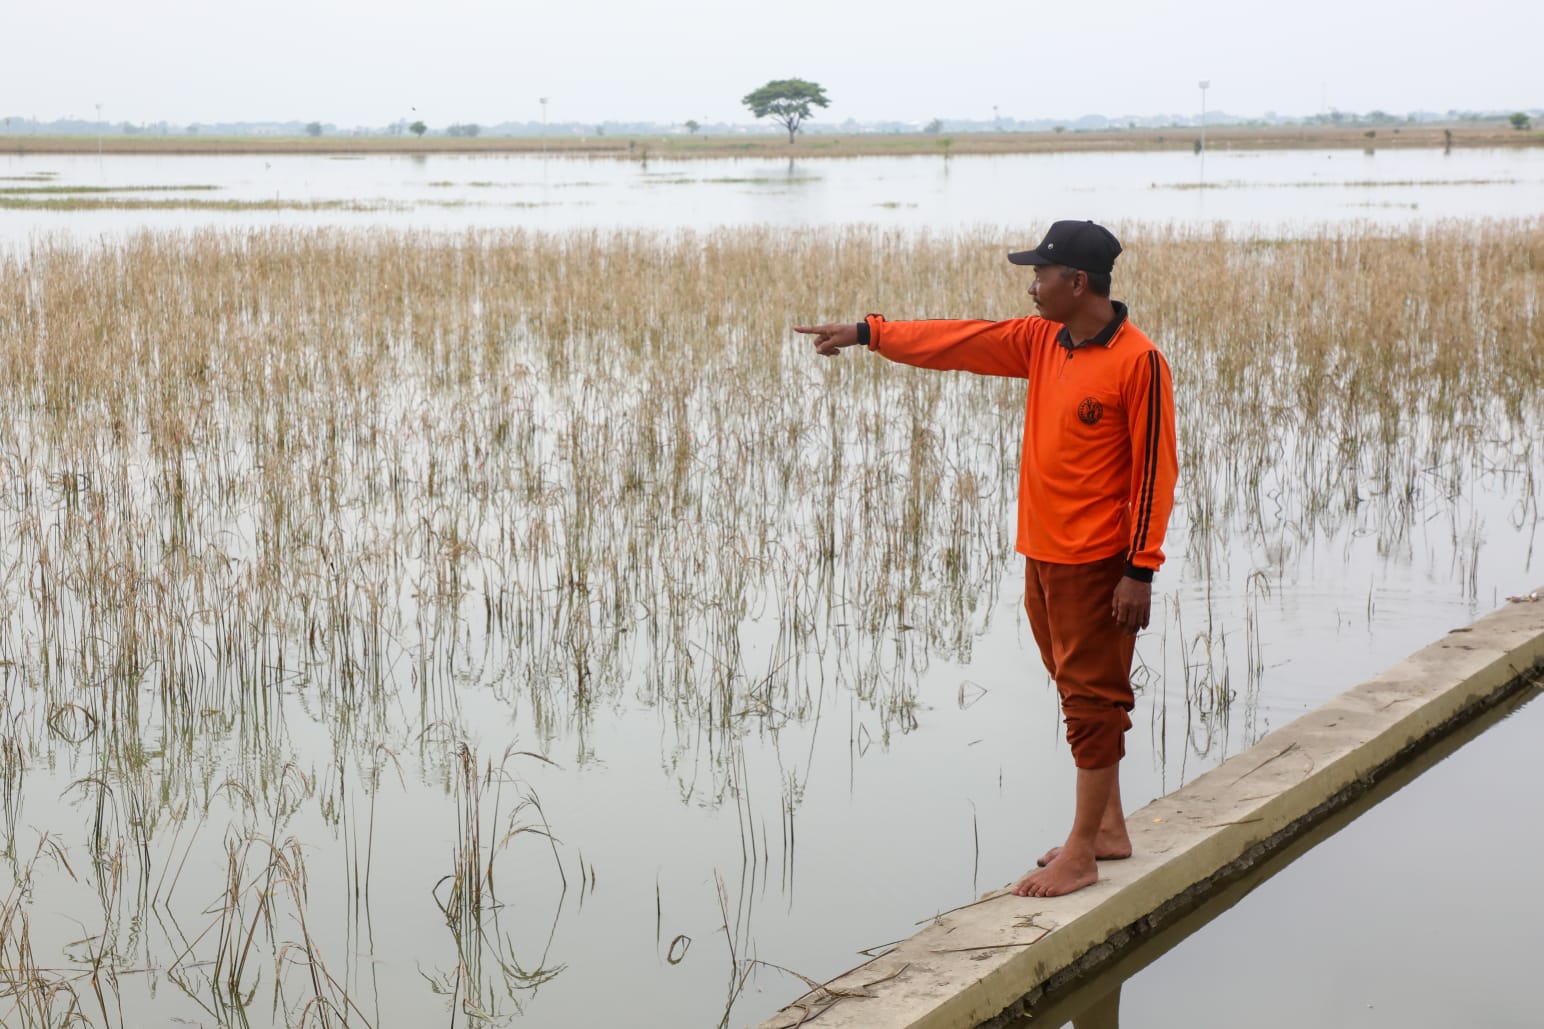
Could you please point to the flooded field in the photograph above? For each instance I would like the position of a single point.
(1245, 192)
(517, 625)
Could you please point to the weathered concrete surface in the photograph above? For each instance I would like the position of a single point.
(971, 965)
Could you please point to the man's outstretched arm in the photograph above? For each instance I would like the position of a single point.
(944, 344)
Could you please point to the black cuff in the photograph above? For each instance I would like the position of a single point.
(1139, 574)
(863, 333)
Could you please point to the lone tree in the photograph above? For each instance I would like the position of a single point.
(418, 129)
(787, 101)
(314, 129)
(1521, 122)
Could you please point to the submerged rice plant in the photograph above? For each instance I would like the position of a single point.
(281, 509)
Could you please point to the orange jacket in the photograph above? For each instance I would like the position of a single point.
(1099, 466)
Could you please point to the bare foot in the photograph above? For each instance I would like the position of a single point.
(1065, 874)
(1106, 848)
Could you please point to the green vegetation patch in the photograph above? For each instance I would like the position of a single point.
(760, 180)
(487, 203)
(82, 203)
(480, 184)
(23, 190)
(1359, 184)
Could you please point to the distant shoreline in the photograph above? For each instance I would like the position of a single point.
(770, 145)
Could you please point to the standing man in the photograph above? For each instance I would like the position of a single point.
(1096, 485)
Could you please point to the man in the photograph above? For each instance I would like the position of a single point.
(1096, 485)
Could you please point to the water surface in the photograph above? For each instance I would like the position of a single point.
(1261, 193)
(799, 840)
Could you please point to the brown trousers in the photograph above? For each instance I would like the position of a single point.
(1087, 653)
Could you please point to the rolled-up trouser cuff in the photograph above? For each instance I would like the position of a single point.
(1096, 732)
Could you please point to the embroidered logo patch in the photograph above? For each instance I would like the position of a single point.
(1090, 411)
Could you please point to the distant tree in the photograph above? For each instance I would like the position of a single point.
(692, 126)
(786, 101)
(1521, 122)
(934, 127)
(463, 130)
(314, 129)
(418, 129)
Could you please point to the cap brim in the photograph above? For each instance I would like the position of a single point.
(1029, 257)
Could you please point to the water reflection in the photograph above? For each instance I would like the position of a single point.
(1092, 1000)
(1101, 1013)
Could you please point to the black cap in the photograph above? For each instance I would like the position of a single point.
(1072, 244)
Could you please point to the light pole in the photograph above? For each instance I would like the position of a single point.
(543, 101)
(99, 130)
(1204, 83)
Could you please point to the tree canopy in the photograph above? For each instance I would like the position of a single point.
(787, 101)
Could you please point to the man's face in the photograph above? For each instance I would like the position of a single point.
(1055, 290)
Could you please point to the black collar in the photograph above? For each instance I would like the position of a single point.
(1102, 337)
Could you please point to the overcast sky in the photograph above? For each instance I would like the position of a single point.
(354, 63)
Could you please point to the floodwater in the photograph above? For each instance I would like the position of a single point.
(1419, 907)
(680, 854)
(1248, 192)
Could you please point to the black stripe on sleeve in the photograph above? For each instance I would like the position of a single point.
(1150, 461)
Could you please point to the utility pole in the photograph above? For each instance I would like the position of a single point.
(1204, 84)
(544, 122)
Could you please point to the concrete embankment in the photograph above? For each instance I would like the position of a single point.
(986, 961)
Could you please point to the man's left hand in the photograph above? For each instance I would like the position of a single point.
(1132, 603)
